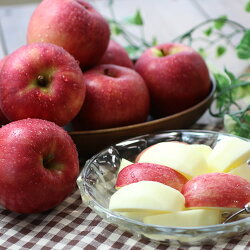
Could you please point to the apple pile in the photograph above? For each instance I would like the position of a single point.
(184, 185)
(70, 71)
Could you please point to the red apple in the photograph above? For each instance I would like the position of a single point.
(115, 96)
(176, 75)
(74, 25)
(217, 190)
(116, 54)
(150, 172)
(41, 81)
(38, 167)
(3, 119)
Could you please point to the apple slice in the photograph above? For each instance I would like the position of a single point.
(189, 160)
(139, 215)
(146, 196)
(150, 172)
(220, 190)
(124, 163)
(186, 218)
(242, 171)
(229, 153)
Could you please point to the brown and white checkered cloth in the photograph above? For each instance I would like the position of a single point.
(72, 225)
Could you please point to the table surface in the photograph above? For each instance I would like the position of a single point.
(72, 225)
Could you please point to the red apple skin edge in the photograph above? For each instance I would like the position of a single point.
(176, 75)
(115, 96)
(116, 54)
(150, 172)
(3, 119)
(38, 165)
(217, 190)
(41, 81)
(74, 25)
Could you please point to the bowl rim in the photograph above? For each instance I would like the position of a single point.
(151, 122)
(109, 213)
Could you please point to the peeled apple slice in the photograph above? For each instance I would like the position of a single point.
(146, 196)
(139, 216)
(186, 218)
(124, 163)
(189, 160)
(242, 171)
(228, 154)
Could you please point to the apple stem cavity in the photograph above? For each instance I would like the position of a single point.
(49, 163)
(163, 53)
(42, 81)
(158, 52)
(109, 72)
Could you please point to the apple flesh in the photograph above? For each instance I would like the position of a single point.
(176, 75)
(186, 218)
(189, 160)
(242, 171)
(220, 190)
(116, 54)
(146, 196)
(115, 96)
(124, 163)
(74, 25)
(150, 172)
(39, 165)
(228, 154)
(41, 81)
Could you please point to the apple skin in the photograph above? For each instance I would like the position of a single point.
(115, 96)
(38, 165)
(41, 81)
(116, 54)
(217, 190)
(74, 25)
(3, 119)
(150, 172)
(176, 75)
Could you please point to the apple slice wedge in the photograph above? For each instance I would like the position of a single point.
(146, 196)
(242, 171)
(189, 160)
(219, 190)
(150, 172)
(228, 154)
(186, 218)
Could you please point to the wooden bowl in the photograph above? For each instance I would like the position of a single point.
(89, 142)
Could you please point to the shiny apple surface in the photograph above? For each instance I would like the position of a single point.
(97, 184)
(90, 142)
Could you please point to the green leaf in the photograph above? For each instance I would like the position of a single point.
(220, 22)
(230, 75)
(132, 51)
(154, 41)
(220, 50)
(208, 31)
(202, 52)
(243, 48)
(247, 6)
(115, 29)
(136, 19)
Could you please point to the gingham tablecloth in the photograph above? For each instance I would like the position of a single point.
(72, 225)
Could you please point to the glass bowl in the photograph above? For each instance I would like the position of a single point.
(97, 180)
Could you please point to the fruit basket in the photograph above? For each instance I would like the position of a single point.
(97, 184)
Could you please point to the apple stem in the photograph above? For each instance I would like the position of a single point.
(42, 81)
